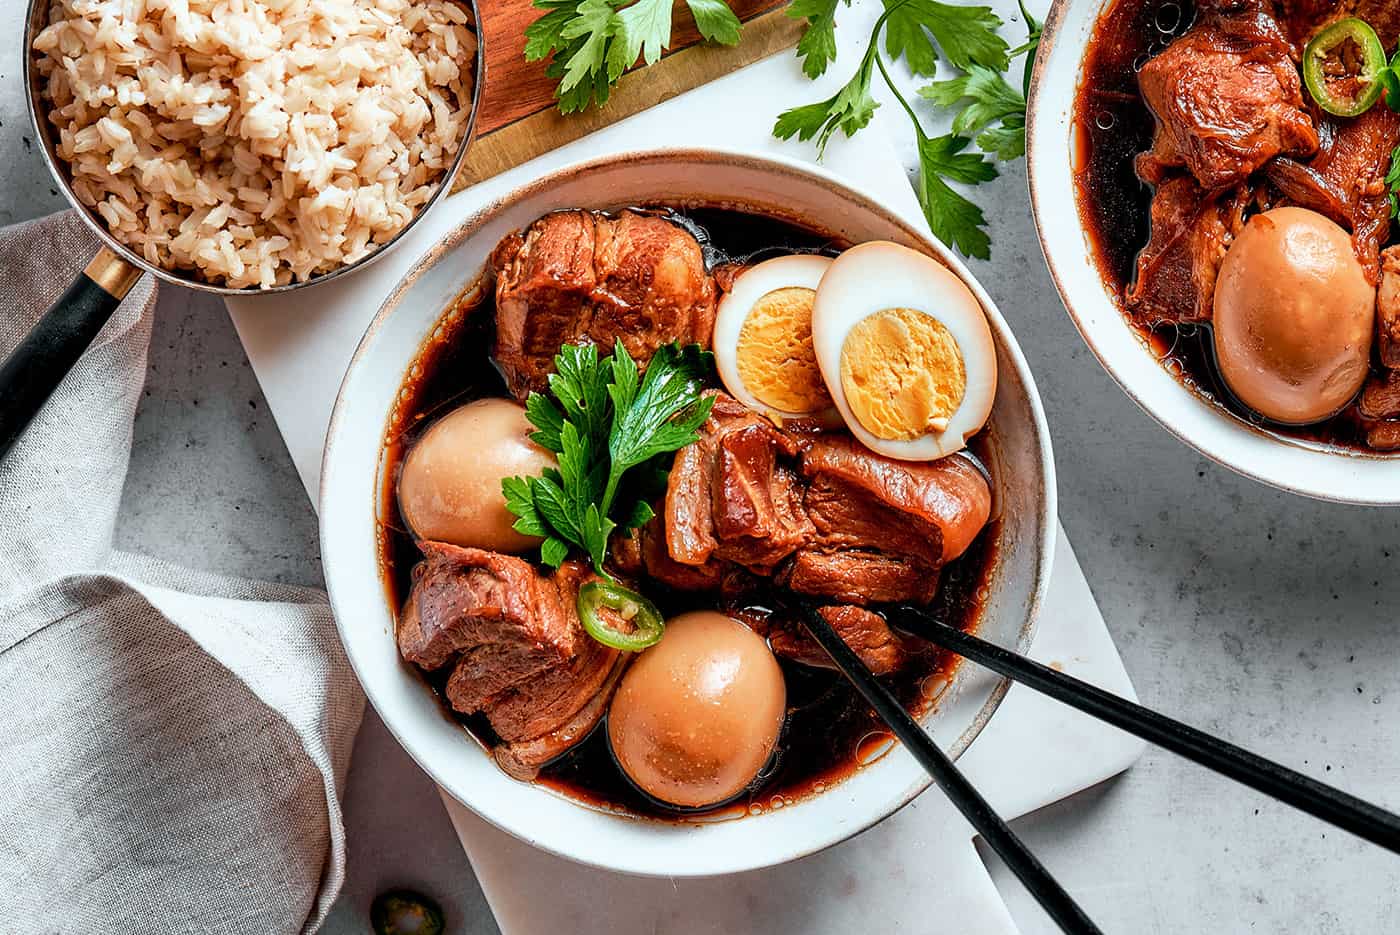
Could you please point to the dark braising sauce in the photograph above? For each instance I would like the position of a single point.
(1111, 126)
(829, 731)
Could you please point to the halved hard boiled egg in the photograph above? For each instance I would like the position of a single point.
(905, 351)
(763, 338)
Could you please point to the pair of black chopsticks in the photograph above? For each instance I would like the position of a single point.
(1317, 799)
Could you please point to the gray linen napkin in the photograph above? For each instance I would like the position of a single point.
(172, 744)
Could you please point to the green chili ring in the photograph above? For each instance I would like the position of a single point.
(1320, 50)
(641, 612)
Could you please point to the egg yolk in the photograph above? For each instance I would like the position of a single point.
(902, 373)
(774, 354)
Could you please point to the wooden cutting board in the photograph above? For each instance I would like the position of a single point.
(518, 119)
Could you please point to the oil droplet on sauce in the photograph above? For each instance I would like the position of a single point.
(933, 686)
(873, 746)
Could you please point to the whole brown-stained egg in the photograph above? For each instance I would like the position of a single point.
(1294, 316)
(697, 716)
(450, 485)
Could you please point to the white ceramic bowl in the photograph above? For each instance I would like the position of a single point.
(350, 482)
(1287, 463)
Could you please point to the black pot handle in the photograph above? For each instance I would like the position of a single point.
(31, 373)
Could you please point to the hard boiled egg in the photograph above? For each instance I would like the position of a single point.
(905, 351)
(1293, 317)
(697, 716)
(450, 484)
(763, 338)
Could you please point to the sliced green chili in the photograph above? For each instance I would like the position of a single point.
(637, 610)
(1343, 67)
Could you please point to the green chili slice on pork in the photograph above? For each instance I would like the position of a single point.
(1343, 67)
(633, 609)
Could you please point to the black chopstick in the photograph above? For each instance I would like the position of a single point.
(1032, 874)
(1318, 799)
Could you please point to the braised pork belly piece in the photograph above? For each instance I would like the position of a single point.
(1303, 18)
(752, 494)
(1191, 229)
(931, 510)
(883, 649)
(1380, 399)
(733, 496)
(1227, 97)
(1384, 436)
(1379, 408)
(884, 527)
(582, 277)
(820, 513)
(518, 652)
(1345, 181)
(861, 576)
(1388, 308)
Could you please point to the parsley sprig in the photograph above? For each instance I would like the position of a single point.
(1389, 78)
(608, 426)
(992, 110)
(989, 109)
(594, 41)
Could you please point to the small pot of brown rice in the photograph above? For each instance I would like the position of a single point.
(236, 146)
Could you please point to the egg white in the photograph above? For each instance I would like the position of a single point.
(880, 275)
(801, 270)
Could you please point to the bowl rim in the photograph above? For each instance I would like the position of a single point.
(1293, 465)
(772, 164)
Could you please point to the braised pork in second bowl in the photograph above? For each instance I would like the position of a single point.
(1230, 164)
(636, 439)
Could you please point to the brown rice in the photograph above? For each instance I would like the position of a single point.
(256, 141)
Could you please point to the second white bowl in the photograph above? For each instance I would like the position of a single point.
(1283, 462)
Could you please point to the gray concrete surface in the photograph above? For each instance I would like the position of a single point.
(1266, 618)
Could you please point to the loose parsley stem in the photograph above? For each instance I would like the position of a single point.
(1032, 25)
(874, 50)
(889, 82)
(1030, 46)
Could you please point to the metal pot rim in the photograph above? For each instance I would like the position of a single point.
(37, 14)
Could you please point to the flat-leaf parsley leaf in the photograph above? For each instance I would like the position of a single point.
(992, 112)
(605, 423)
(592, 42)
